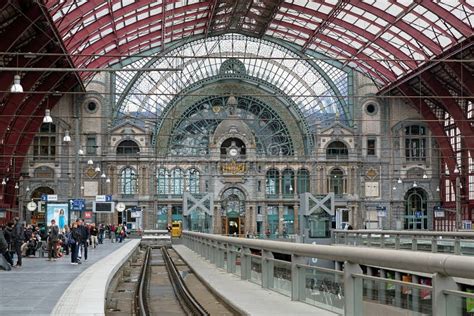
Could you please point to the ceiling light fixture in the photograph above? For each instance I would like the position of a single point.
(16, 86)
(47, 116)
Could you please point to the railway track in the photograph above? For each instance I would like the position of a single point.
(163, 291)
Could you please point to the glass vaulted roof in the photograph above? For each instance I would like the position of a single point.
(318, 88)
(382, 38)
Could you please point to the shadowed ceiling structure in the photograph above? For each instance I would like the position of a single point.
(411, 49)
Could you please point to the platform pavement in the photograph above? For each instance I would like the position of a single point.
(248, 297)
(36, 287)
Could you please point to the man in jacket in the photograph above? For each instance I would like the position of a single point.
(84, 231)
(53, 240)
(18, 237)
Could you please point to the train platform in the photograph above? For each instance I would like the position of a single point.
(244, 296)
(38, 286)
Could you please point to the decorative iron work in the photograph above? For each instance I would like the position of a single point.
(190, 136)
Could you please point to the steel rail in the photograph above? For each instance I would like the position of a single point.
(141, 305)
(180, 287)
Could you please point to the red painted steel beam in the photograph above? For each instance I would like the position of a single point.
(120, 15)
(97, 46)
(464, 77)
(419, 36)
(448, 17)
(13, 32)
(453, 108)
(327, 46)
(147, 40)
(434, 124)
(347, 25)
(210, 16)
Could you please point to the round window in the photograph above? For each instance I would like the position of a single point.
(371, 109)
(91, 106)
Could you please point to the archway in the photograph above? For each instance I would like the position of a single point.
(233, 211)
(416, 215)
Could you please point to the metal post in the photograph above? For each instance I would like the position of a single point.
(440, 301)
(298, 282)
(352, 290)
(77, 144)
(267, 269)
(245, 263)
(458, 203)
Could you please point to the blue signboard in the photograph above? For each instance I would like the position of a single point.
(418, 214)
(44, 197)
(108, 198)
(77, 205)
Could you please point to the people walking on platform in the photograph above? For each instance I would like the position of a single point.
(84, 231)
(101, 233)
(94, 233)
(18, 236)
(112, 233)
(74, 240)
(53, 237)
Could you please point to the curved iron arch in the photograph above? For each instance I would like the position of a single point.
(343, 104)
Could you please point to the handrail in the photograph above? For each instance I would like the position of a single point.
(445, 264)
(406, 233)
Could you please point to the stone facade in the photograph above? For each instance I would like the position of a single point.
(375, 160)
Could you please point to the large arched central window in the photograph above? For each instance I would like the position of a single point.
(190, 136)
(128, 181)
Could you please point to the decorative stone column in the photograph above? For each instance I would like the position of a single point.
(280, 215)
(217, 218)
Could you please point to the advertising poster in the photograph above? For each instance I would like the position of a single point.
(58, 212)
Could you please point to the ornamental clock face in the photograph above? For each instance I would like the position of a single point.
(233, 152)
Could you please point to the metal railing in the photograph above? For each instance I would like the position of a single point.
(458, 243)
(349, 288)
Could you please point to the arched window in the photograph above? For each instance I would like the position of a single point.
(416, 215)
(303, 181)
(128, 147)
(337, 182)
(177, 181)
(272, 182)
(193, 180)
(162, 181)
(415, 143)
(337, 150)
(128, 181)
(288, 182)
(44, 143)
